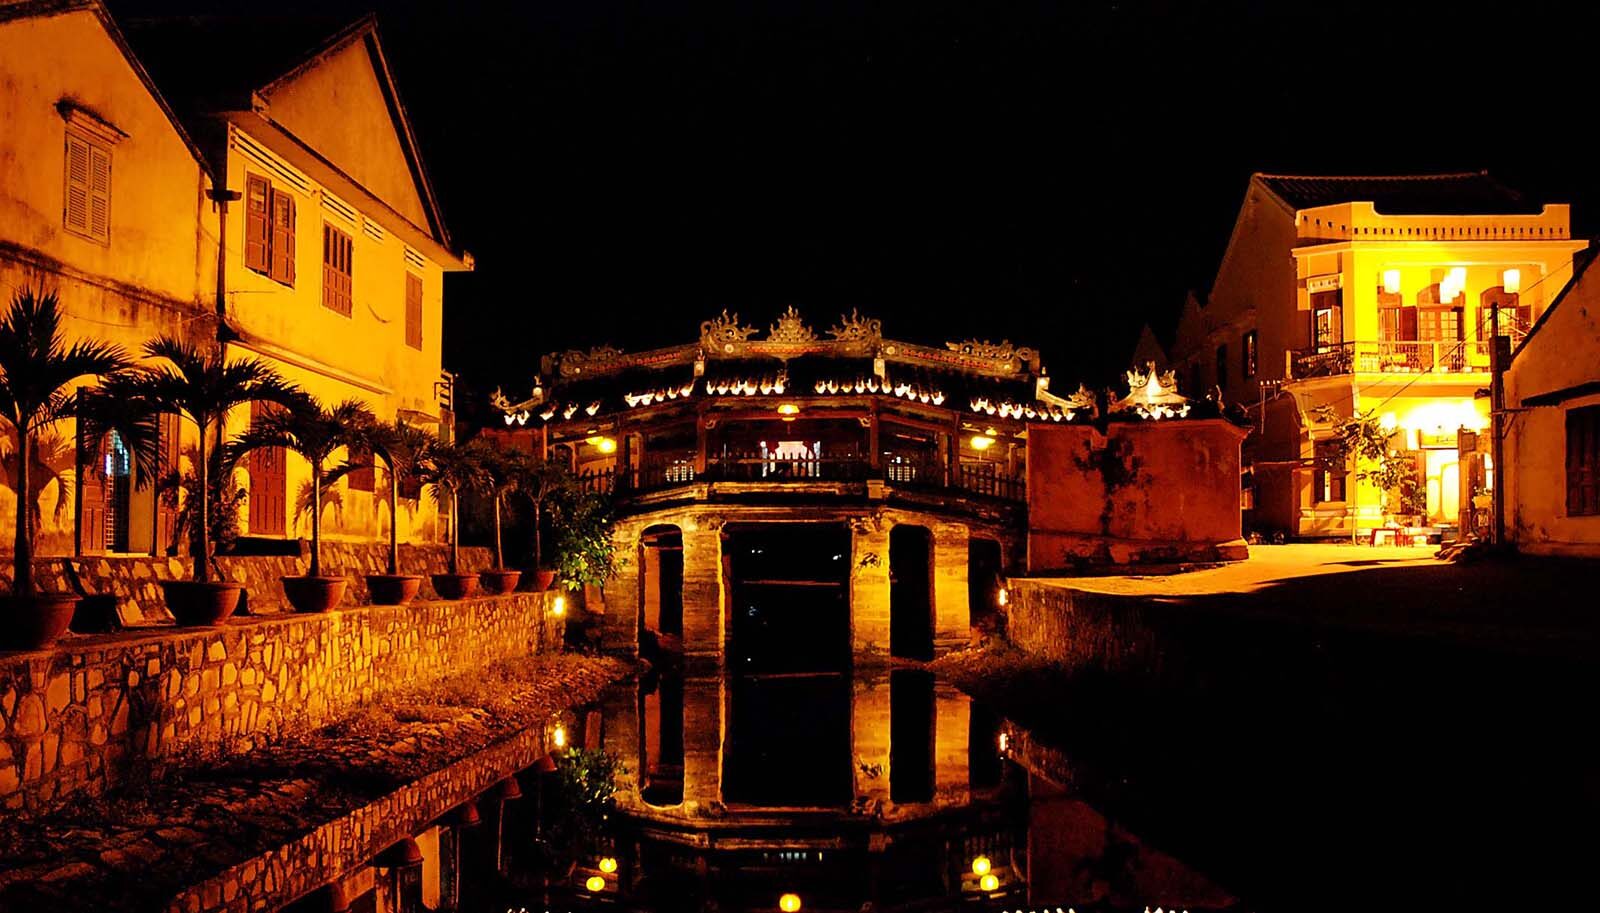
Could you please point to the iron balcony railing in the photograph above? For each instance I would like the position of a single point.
(665, 471)
(1389, 357)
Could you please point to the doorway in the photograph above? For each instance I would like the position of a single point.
(911, 592)
(269, 483)
(661, 586)
(789, 603)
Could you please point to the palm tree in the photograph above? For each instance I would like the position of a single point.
(306, 428)
(544, 481)
(404, 450)
(452, 469)
(201, 385)
(38, 371)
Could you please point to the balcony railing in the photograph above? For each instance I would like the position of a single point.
(914, 472)
(1389, 357)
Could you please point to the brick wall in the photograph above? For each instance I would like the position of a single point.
(74, 720)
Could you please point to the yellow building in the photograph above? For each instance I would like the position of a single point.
(248, 181)
(1339, 295)
(1552, 445)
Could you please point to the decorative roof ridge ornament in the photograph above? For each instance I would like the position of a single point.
(790, 330)
(1081, 400)
(518, 412)
(1152, 395)
(724, 335)
(574, 362)
(857, 332)
(1014, 357)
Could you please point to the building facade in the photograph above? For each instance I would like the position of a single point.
(160, 180)
(1552, 432)
(799, 495)
(1371, 295)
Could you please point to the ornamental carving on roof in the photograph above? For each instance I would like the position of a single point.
(574, 363)
(790, 330)
(856, 331)
(724, 335)
(1002, 351)
(1152, 394)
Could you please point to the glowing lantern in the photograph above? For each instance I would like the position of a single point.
(595, 884)
(989, 882)
(1391, 281)
(1511, 281)
(788, 411)
(559, 606)
(789, 903)
(982, 442)
(559, 737)
(1004, 596)
(608, 865)
(981, 865)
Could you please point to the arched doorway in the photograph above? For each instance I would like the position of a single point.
(661, 588)
(983, 582)
(911, 592)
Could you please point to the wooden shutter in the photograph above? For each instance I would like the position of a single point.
(168, 446)
(76, 205)
(337, 256)
(413, 311)
(1408, 324)
(1583, 461)
(282, 246)
(99, 193)
(257, 224)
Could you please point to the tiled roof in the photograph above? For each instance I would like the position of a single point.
(1460, 193)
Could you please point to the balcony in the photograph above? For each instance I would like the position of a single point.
(1390, 357)
(663, 472)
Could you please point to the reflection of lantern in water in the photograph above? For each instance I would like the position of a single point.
(608, 865)
(981, 865)
(989, 883)
(789, 903)
(595, 884)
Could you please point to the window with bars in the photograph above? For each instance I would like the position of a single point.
(269, 223)
(338, 252)
(1327, 318)
(1583, 461)
(86, 209)
(413, 310)
(1329, 473)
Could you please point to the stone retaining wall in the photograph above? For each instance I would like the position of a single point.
(123, 591)
(76, 720)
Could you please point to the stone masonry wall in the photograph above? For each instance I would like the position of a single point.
(75, 720)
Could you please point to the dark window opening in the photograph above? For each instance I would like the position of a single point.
(911, 592)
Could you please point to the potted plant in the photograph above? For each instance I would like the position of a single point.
(544, 482)
(404, 451)
(37, 372)
(505, 471)
(452, 469)
(315, 433)
(203, 386)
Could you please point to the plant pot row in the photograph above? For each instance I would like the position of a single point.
(37, 622)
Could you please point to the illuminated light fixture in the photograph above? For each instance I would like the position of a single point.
(595, 884)
(1004, 741)
(1004, 596)
(1391, 281)
(789, 903)
(522, 417)
(559, 606)
(788, 409)
(982, 442)
(592, 408)
(981, 865)
(1511, 281)
(608, 865)
(510, 418)
(822, 386)
(989, 882)
(559, 737)
(602, 443)
(570, 411)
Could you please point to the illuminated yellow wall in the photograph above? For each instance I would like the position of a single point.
(156, 271)
(1561, 355)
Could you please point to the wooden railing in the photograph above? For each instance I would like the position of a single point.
(755, 466)
(1390, 357)
(907, 471)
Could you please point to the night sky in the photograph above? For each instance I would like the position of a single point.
(1051, 173)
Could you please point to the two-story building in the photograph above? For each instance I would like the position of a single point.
(228, 179)
(798, 495)
(1372, 295)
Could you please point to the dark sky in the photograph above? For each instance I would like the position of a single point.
(1052, 173)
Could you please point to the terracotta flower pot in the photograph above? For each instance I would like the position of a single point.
(194, 603)
(35, 622)
(499, 580)
(314, 594)
(455, 586)
(392, 589)
(543, 580)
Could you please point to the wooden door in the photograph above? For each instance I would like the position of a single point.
(168, 441)
(269, 484)
(93, 496)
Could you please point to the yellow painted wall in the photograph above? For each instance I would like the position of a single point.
(156, 272)
(1563, 353)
